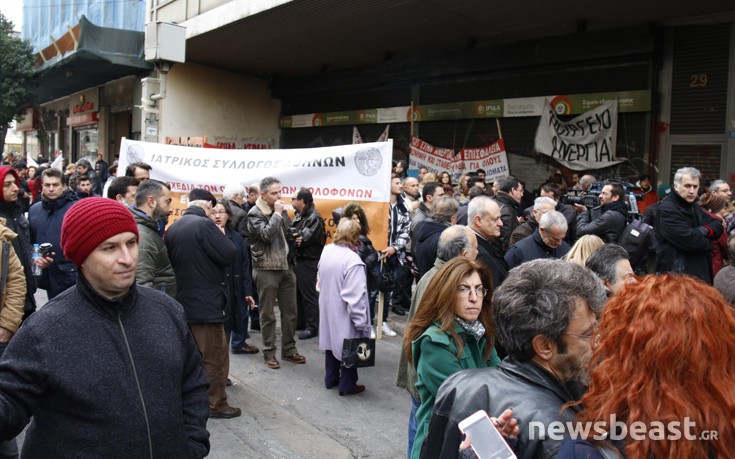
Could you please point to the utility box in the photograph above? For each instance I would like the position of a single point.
(165, 42)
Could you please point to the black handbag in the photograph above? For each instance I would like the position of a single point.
(358, 352)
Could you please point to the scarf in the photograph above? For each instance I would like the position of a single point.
(474, 328)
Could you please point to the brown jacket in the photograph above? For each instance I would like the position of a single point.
(13, 296)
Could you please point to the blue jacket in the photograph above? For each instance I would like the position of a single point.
(45, 218)
(239, 280)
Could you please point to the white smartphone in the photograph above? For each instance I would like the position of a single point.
(486, 441)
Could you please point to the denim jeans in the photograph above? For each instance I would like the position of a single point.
(415, 403)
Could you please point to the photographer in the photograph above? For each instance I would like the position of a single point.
(609, 226)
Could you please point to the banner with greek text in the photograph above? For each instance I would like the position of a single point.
(335, 175)
(493, 159)
(433, 158)
(586, 142)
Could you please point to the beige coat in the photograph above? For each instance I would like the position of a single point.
(13, 297)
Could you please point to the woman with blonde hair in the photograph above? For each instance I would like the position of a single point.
(583, 248)
(343, 305)
(451, 331)
(663, 362)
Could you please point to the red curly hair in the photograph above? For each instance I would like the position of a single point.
(666, 352)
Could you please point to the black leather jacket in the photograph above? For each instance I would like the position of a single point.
(532, 392)
(609, 226)
(310, 226)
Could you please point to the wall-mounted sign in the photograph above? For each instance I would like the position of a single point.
(85, 102)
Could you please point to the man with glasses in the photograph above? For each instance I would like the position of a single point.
(546, 242)
(546, 319)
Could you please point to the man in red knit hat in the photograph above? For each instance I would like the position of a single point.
(107, 367)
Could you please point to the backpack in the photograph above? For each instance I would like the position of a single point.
(638, 240)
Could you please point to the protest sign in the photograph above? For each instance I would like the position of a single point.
(433, 158)
(335, 175)
(492, 158)
(586, 142)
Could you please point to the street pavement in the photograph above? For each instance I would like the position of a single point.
(288, 413)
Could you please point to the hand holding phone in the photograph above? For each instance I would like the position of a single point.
(485, 440)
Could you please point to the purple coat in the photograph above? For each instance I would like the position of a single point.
(343, 298)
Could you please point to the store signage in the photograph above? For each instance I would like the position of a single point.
(574, 104)
(82, 119)
(85, 102)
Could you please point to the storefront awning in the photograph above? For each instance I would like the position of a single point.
(102, 55)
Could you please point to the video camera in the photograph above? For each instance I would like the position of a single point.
(591, 198)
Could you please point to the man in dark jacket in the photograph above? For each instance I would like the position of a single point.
(442, 215)
(106, 369)
(235, 193)
(153, 201)
(508, 197)
(549, 340)
(684, 231)
(199, 254)
(16, 221)
(547, 241)
(309, 236)
(45, 220)
(551, 190)
(540, 206)
(609, 226)
(484, 218)
(268, 225)
(85, 168)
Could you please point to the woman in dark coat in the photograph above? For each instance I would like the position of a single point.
(239, 281)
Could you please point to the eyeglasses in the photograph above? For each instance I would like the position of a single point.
(219, 212)
(587, 336)
(465, 291)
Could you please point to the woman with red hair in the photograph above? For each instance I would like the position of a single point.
(664, 360)
(714, 206)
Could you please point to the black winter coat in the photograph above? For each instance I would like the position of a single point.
(69, 366)
(609, 226)
(239, 279)
(490, 253)
(426, 244)
(45, 220)
(684, 235)
(310, 226)
(532, 392)
(509, 216)
(533, 248)
(17, 222)
(199, 254)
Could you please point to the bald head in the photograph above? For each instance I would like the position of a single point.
(456, 241)
(483, 216)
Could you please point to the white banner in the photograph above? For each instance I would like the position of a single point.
(586, 142)
(493, 159)
(335, 175)
(433, 158)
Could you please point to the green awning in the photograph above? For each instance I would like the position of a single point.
(103, 54)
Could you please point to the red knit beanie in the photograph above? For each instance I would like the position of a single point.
(90, 222)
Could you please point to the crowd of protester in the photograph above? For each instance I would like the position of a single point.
(521, 304)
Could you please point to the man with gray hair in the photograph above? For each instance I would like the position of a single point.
(722, 189)
(454, 241)
(200, 253)
(684, 232)
(610, 263)
(235, 193)
(484, 219)
(541, 205)
(442, 215)
(545, 315)
(547, 241)
(273, 264)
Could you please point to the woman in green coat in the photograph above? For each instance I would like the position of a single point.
(451, 331)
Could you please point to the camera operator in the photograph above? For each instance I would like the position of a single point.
(609, 226)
